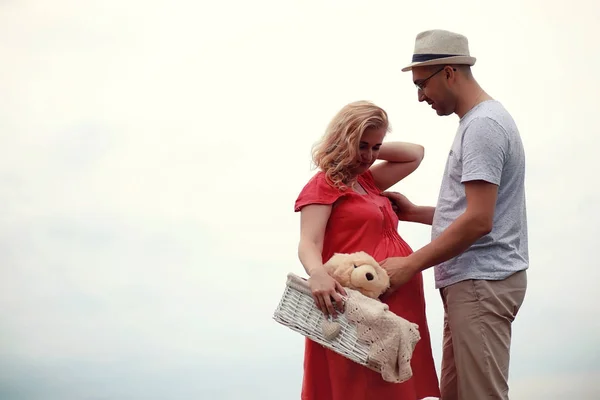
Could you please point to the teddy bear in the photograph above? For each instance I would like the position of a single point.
(357, 271)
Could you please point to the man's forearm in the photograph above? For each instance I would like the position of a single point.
(457, 238)
(422, 215)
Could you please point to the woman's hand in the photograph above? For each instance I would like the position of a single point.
(325, 289)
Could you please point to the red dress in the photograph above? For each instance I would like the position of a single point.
(366, 223)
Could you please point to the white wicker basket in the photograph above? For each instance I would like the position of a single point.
(297, 311)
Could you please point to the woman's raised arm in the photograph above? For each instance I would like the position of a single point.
(400, 160)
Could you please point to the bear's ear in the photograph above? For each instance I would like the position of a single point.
(361, 257)
(333, 260)
(334, 257)
(329, 267)
(341, 273)
(334, 263)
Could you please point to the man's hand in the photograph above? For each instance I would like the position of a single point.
(409, 212)
(400, 271)
(401, 205)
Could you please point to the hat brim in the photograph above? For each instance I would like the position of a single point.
(440, 61)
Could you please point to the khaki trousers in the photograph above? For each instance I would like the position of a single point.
(478, 316)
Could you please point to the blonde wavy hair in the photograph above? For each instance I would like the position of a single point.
(338, 151)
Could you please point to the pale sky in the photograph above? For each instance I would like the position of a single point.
(151, 153)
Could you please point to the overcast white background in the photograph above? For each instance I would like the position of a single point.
(151, 153)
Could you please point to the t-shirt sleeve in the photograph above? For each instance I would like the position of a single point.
(317, 191)
(484, 150)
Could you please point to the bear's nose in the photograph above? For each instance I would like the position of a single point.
(369, 276)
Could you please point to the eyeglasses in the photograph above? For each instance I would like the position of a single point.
(421, 84)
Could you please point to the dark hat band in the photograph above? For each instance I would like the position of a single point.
(428, 57)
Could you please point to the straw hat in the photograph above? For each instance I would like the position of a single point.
(438, 46)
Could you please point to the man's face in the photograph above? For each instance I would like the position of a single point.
(432, 87)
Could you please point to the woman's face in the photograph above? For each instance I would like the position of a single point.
(370, 142)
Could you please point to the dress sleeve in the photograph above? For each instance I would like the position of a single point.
(317, 191)
(368, 181)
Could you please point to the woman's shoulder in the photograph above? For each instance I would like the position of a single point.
(318, 177)
(367, 179)
(318, 190)
(320, 181)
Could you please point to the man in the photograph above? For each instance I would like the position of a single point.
(479, 247)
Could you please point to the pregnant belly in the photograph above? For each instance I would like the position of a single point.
(391, 247)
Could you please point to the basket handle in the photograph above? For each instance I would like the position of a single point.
(298, 283)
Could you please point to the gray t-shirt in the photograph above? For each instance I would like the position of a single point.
(487, 147)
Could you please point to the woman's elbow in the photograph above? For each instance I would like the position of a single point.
(307, 245)
(420, 153)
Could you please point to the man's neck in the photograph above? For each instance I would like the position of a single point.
(473, 95)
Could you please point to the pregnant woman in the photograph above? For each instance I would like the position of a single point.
(343, 210)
